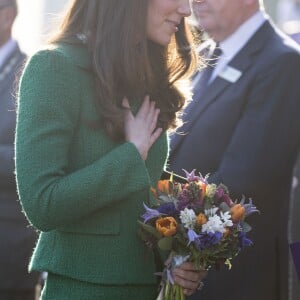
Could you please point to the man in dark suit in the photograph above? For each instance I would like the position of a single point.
(243, 127)
(16, 239)
(294, 235)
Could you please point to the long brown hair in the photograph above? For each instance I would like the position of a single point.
(126, 63)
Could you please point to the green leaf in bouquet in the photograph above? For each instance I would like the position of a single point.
(180, 245)
(164, 198)
(165, 243)
(245, 227)
(224, 207)
(152, 202)
(208, 203)
(214, 255)
(143, 235)
(150, 229)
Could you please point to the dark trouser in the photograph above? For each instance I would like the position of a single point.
(17, 295)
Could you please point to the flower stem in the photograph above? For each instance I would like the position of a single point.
(167, 294)
(182, 296)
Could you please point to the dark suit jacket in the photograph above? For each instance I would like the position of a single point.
(246, 134)
(17, 240)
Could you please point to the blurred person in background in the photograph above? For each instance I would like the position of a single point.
(294, 235)
(243, 128)
(16, 238)
(288, 17)
(91, 140)
(288, 10)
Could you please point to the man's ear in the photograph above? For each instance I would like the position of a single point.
(252, 2)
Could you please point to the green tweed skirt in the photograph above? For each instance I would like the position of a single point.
(64, 288)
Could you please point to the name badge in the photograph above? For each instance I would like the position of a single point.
(230, 74)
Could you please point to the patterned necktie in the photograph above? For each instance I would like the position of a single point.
(211, 64)
(201, 80)
(200, 84)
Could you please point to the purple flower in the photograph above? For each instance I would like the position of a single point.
(183, 204)
(249, 208)
(207, 240)
(244, 241)
(170, 276)
(167, 209)
(183, 200)
(150, 213)
(188, 200)
(192, 235)
(222, 196)
(191, 176)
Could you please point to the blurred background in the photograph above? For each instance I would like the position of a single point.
(35, 21)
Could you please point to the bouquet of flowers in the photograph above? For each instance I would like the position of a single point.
(195, 221)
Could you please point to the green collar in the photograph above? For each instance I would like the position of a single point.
(77, 52)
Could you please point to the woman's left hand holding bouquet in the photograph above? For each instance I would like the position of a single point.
(189, 278)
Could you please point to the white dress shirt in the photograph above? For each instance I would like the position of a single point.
(236, 41)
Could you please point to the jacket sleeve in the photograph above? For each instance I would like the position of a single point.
(268, 133)
(48, 114)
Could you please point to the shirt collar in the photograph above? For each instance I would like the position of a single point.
(6, 50)
(236, 41)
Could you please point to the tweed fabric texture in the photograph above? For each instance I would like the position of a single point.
(60, 287)
(83, 191)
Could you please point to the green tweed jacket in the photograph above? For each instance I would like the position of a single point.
(80, 189)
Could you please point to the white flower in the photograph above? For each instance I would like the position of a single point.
(214, 224)
(226, 217)
(211, 212)
(188, 218)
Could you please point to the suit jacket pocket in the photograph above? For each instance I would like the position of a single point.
(105, 222)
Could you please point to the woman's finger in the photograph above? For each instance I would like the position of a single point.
(186, 284)
(191, 276)
(188, 266)
(144, 109)
(155, 135)
(153, 124)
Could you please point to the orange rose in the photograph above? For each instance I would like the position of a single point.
(202, 186)
(164, 186)
(166, 226)
(237, 213)
(201, 219)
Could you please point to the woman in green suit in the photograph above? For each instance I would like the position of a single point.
(91, 140)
